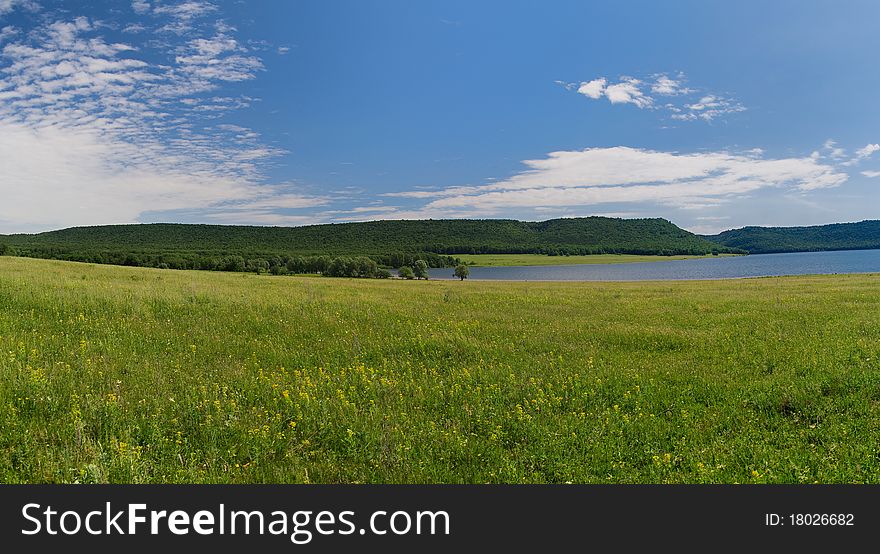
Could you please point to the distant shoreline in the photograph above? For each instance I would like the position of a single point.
(536, 260)
(695, 269)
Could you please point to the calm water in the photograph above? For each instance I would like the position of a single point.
(756, 265)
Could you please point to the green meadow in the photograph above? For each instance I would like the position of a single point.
(488, 260)
(113, 374)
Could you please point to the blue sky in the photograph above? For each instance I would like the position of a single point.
(713, 115)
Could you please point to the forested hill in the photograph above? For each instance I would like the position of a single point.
(839, 236)
(377, 239)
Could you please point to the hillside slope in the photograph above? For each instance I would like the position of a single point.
(378, 239)
(839, 236)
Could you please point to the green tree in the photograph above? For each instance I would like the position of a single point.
(405, 272)
(322, 263)
(232, 263)
(258, 265)
(462, 271)
(278, 269)
(351, 267)
(336, 267)
(366, 267)
(420, 269)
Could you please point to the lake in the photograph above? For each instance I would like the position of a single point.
(755, 265)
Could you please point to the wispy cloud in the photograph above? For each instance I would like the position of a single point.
(7, 6)
(665, 85)
(623, 175)
(98, 131)
(140, 7)
(7, 32)
(708, 108)
(863, 153)
(134, 28)
(185, 10)
(182, 15)
(627, 91)
(866, 151)
(832, 150)
(669, 94)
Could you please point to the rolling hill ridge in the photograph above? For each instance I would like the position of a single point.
(863, 235)
(389, 243)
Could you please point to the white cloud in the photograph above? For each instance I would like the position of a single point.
(399, 213)
(219, 58)
(282, 201)
(627, 92)
(871, 174)
(55, 176)
(261, 217)
(180, 18)
(686, 107)
(623, 175)
(869, 149)
(7, 6)
(93, 131)
(708, 108)
(185, 10)
(593, 89)
(833, 150)
(140, 7)
(7, 32)
(667, 86)
(866, 152)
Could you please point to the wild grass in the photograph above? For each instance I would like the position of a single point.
(111, 374)
(489, 260)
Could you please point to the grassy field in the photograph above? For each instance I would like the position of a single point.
(112, 374)
(487, 260)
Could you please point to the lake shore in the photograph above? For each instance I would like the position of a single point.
(524, 260)
(695, 269)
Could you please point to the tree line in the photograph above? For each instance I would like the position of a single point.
(863, 235)
(281, 264)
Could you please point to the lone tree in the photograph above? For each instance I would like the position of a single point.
(462, 271)
(420, 269)
(405, 272)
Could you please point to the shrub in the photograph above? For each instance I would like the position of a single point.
(420, 269)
